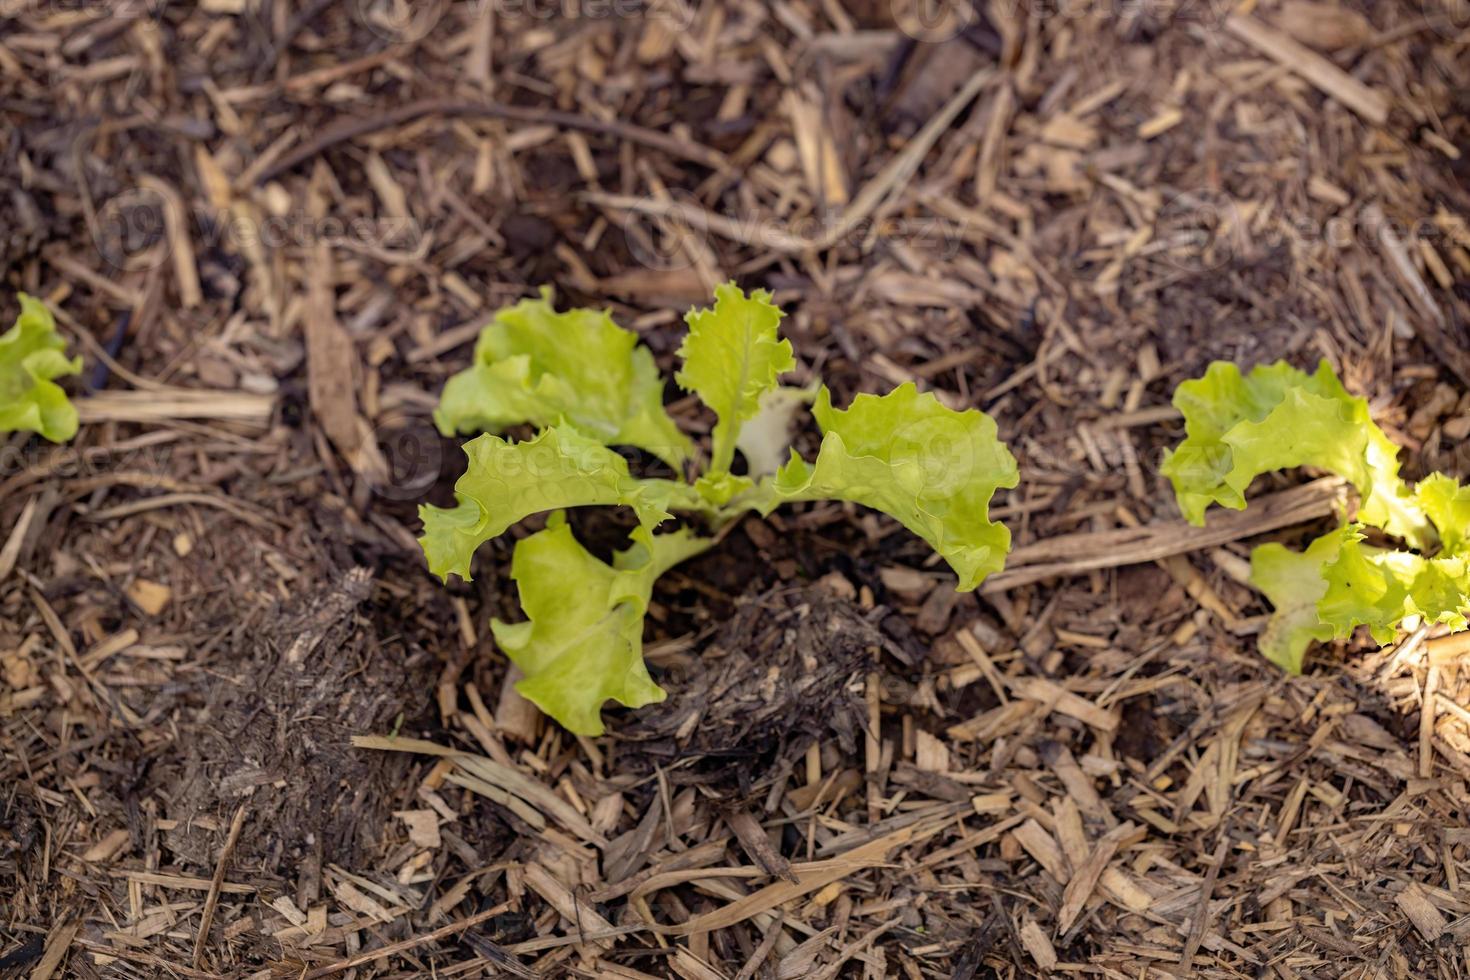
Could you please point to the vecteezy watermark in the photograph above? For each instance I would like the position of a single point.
(666, 242)
(400, 21)
(675, 14)
(132, 233)
(413, 452)
(407, 21)
(673, 232)
(411, 449)
(934, 21)
(151, 9)
(1175, 12)
(934, 457)
(42, 460)
(1201, 231)
(937, 21)
(1451, 21)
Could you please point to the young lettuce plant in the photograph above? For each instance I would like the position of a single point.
(587, 384)
(1278, 417)
(31, 359)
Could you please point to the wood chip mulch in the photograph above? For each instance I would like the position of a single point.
(244, 734)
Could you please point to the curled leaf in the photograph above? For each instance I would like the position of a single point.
(732, 356)
(928, 466)
(506, 482)
(1277, 418)
(1447, 505)
(1294, 583)
(30, 359)
(578, 369)
(1341, 582)
(1382, 588)
(582, 642)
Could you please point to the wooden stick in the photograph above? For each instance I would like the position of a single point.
(1072, 553)
(10, 552)
(1427, 708)
(407, 944)
(872, 743)
(166, 968)
(353, 128)
(1445, 650)
(1201, 917)
(1332, 80)
(211, 900)
(178, 403)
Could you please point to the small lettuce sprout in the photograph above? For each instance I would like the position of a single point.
(1278, 417)
(588, 385)
(30, 359)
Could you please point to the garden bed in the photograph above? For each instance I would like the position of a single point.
(307, 212)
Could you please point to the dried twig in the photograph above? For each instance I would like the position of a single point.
(211, 899)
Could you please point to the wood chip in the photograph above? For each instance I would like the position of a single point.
(423, 827)
(1038, 945)
(1332, 80)
(58, 943)
(1421, 912)
(108, 847)
(1057, 698)
(753, 839)
(151, 597)
(1085, 879)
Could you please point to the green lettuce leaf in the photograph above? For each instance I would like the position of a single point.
(1278, 418)
(732, 357)
(1361, 588)
(506, 482)
(577, 368)
(582, 643)
(1381, 589)
(928, 466)
(932, 468)
(1447, 505)
(720, 488)
(30, 358)
(1294, 583)
(1340, 583)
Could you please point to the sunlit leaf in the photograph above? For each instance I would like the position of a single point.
(1382, 588)
(577, 369)
(928, 466)
(582, 642)
(732, 357)
(1293, 582)
(1447, 505)
(1277, 418)
(506, 482)
(30, 359)
(932, 468)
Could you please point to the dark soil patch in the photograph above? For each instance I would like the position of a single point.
(275, 735)
(781, 674)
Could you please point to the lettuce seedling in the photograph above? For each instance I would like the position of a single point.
(30, 359)
(1238, 427)
(587, 385)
